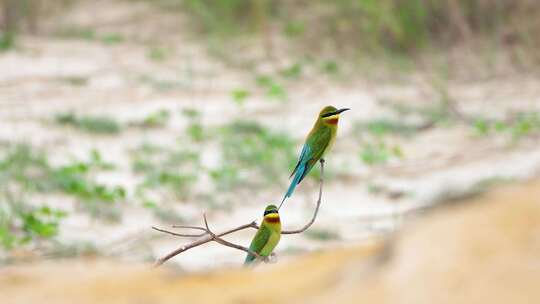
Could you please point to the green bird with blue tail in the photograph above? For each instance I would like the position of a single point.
(319, 141)
(268, 235)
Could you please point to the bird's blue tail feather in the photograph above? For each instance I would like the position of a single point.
(297, 177)
(298, 172)
(249, 259)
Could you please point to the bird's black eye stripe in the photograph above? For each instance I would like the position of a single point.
(335, 112)
(329, 114)
(270, 211)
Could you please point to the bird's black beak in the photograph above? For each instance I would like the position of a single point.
(341, 110)
(335, 112)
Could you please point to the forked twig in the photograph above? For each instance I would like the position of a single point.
(227, 243)
(207, 235)
(205, 239)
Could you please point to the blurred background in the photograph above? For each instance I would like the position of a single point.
(122, 114)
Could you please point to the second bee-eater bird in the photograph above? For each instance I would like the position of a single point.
(319, 141)
(268, 235)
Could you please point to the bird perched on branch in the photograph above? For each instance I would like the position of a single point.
(267, 236)
(319, 141)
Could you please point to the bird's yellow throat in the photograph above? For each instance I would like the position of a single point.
(272, 218)
(333, 120)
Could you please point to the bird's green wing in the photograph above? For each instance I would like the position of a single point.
(259, 241)
(318, 142)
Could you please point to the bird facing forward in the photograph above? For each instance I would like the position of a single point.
(319, 141)
(268, 235)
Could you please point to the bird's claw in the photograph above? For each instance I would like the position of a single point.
(272, 259)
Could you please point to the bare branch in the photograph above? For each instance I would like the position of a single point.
(319, 200)
(229, 244)
(206, 224)
(178, 234)
(189, 227)
(205, 239)
(208, 235)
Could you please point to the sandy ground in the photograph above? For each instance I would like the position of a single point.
(436, 162)
(476, 250)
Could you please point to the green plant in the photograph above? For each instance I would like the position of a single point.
(239, 96)
(294, 71)
(20, 223)
(163, 84)
(482, 126)
(378, 152)
(22, 171)
(75, 32)
(330, 67)
(521, 125)
(157, 54)
(97, 199)
(262, 153)
(194, 129)
(7, 41)
(191, 113)
(294, 28)
(73, 179)
(173, 169)
(112, 38)
(91, 124)
(227, 17)
(321, 235)
(155, 120)
(27, 170)
(41, 222)
(388, 29)
(525, 124)
(272, 88)
(77, 81)
(225, 177)
(96, 161)
(7, 238)
(24, 168)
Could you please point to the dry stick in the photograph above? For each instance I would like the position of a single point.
(227, 243)
(210, 236)
(189, 227)
(199, 242)
(179, 234)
